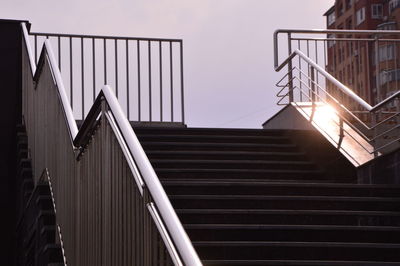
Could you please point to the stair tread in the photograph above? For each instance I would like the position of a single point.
(249, 180)
(225, 152)
(307, 198)
(298, 262)
(274, 183)
(213, 144)
(306, 212)
(230, 161)
(296, 244)
(214, 136)
(292, 227)
(205, 170)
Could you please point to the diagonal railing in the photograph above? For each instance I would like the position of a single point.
(111, 206)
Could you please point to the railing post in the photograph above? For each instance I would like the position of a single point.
(147, 250)
(375, 121)
(397, 103)
(290, 75)
(312, 92)
(377, 76)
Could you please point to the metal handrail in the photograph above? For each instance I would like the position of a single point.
(46, 34)
(317, 31)
(168, 215)
(337, 83)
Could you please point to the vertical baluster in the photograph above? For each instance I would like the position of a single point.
(59, 53)
(139, 89)
(36, 59)
(182, 88)
(105, 59)
(83, 79)
(308, 69)
(377, 70)
(171, 81)
(127, 78)
(395, 65)
(149, 58)
(290, 69)
(300, 74)
(388, 80)
(316, 61)
(161, 90)
(71, 75)
(94, 67)
(116, 67)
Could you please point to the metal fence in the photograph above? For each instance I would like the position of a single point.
(365, 61)
(147, 73)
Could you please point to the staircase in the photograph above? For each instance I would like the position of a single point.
(251, 197)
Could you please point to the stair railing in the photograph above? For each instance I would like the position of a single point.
(314, 92)
(308, 81)
(112, 208)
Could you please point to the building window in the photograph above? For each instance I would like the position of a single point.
(340, 10)
(393, 4)
(331, 18)
(331, 43)
(349, 25)
(360, 16)
(377, 11)
(386, 52)
(389, 75)
(348, 4)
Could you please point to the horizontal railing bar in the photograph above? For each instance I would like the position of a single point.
(337, 83)
(385, 132)
(343, 39)
(333, 98)
(332, 79)
(103, 37)
(321, 31)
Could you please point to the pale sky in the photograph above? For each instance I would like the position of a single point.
(229, 74)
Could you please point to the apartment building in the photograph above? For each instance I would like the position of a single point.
(353, 59)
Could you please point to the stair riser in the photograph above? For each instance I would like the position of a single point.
(227, 156)
(206, 131)
(201, 147)
(298, 235)
(304, 253)
(288, 204)
(272, 174)
(216, 139)
(266, 189)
